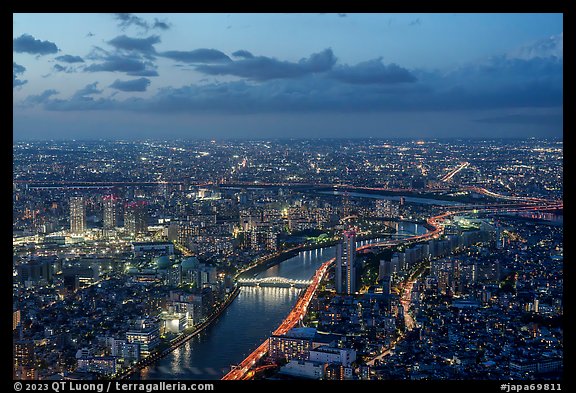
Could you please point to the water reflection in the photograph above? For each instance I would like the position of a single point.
(249, 320)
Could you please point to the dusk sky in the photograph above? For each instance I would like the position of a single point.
(130, 76)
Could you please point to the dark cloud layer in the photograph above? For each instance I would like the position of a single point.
(265, 68)
(28, 44)
(524, 118)
(201, 55)
(133, 85)
(69, 59)
(317, 85)
(318, 93)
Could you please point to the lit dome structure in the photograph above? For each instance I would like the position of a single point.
(163, 262)
(189, 263)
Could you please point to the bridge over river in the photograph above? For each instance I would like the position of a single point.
(273, 281)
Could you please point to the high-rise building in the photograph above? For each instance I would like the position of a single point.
(15, 319)
(24, 360)
(77, 215)
(110, 211)
(135, 218)
(345, 276)
(338, 269)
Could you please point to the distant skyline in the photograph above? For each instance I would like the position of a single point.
(203, 76)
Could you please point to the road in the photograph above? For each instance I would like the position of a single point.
(299, 310)
(451, 174)
(297, 313)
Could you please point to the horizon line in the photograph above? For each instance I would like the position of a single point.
(200, 139)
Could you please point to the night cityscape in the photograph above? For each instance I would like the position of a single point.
(412, 231)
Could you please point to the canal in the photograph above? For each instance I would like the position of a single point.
(249, 320)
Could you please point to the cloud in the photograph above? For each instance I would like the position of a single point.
(28, 44)
(143, 45)
(415, 22)
(70, 59)
(265, 68)
(79, 104)
(316, 85)
(116, 63)
(126, 20)
(372, 71)
(59, 68)
(524, 118)
(158, 24)
(40, 98)
(318, 94)
(88, 90)
(131, 85)
(133, 63)
(552, 46)
(81, 100)
(201, 55)
(146, 72)
(243, 53)
(17, 69)
(505, 77)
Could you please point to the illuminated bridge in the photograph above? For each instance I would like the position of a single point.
(273, 282)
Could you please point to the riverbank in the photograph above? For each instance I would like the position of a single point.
(291, 320)
(182, 338)
(273, 261)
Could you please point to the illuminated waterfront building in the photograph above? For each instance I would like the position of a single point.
(146, 333)
(345, 275)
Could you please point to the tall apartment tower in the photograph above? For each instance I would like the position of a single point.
(110, 211)
(136, 218)
(77, 215)
(338, 270)
(345, 275)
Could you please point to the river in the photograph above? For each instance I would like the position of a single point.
(424, 201)
(249, 320)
